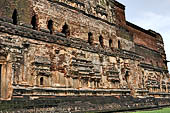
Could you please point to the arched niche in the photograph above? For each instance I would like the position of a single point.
(34, 22)
(24, 9)
(50, 26)
(15, 17)
(66, 30)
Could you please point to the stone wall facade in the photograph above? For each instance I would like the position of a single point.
(83, 104)
(77, 48)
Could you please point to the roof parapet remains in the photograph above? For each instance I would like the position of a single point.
(119, 5)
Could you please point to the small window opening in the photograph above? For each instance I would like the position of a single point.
(50, 26)
(110, 43)
(119, 44)
(34, 22)
(101, 40)
(151, 62)
(127, 76)
(15, 17)
(157, 64)
(41, 80)
(66, 30)
(90, 38)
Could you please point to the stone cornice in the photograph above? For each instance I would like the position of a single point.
(151, 67)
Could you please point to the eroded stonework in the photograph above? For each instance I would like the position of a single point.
(77, 48)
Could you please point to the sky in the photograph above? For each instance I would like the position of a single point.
(151, 14)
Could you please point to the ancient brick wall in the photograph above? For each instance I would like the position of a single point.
(83, 104)
(50, 54)
(69, 66)
(79, 20)
(149, 45)
(120, 14)
(24, 9)
(148, 39)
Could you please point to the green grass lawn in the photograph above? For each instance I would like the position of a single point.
(164, 110)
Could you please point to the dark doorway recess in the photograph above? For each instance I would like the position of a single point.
(34, 22)
(119, 44)
(90, 38)
(41, 80)
(101, 40)
(50, 26)
(15, 17)
(110, 43)
(66, 30)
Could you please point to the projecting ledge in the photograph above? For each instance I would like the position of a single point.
(42, 91)
(68, 89)
(142, 91)
(159, 93)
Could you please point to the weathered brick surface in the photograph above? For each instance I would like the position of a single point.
(24, 9)
(53, 56)
(82, 104)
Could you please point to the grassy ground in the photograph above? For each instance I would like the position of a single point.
(164, 110)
